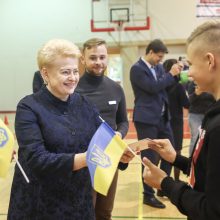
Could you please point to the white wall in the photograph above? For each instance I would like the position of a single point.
(27, 24)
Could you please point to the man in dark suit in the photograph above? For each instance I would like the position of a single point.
(151, 115)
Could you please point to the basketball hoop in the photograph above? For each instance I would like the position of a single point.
(119, 25)
(119, 16)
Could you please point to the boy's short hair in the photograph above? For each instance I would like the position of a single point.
(156, 46)
(207, 35)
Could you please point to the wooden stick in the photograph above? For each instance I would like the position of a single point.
(21, 169)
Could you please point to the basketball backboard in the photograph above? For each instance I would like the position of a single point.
(119, 15)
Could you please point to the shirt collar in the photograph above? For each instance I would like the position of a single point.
(147, 63)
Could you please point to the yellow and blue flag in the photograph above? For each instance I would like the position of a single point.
(103, 155)
(6, 148)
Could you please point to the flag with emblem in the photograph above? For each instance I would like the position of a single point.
(6, 148)
(103, 155)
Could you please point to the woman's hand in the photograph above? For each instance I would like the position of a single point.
(79, 161)
(152, 175)
(127, 156)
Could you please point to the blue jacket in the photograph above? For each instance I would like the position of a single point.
(150, 94)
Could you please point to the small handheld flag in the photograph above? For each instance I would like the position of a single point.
(6, 148)
(103, 155)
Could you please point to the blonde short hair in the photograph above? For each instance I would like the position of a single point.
(207, 36)
(56, 47)
(93, 42)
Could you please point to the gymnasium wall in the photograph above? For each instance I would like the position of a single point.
(27, 24)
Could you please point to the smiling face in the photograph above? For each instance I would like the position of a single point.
(95, 59)
(201, 67)
(203, 53)
(62, 76)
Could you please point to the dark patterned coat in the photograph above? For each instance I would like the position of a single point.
(49, 133)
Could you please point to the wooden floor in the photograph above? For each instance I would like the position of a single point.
(128, 202)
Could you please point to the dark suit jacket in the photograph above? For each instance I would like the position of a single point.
(150, 94)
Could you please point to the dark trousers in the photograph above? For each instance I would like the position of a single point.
(160, 131)
(104, 204)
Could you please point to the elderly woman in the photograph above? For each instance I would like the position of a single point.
(54, 127)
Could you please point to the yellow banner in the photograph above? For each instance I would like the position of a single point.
(6, 148)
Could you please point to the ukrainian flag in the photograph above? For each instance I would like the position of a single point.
(103, 155)
(6, 148)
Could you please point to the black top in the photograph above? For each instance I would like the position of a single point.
(177, 100)
(49, 133)
(109, 99)
(202, 202)
(199, 104)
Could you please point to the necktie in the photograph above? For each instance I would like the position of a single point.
(155, 77)
(154, 73)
